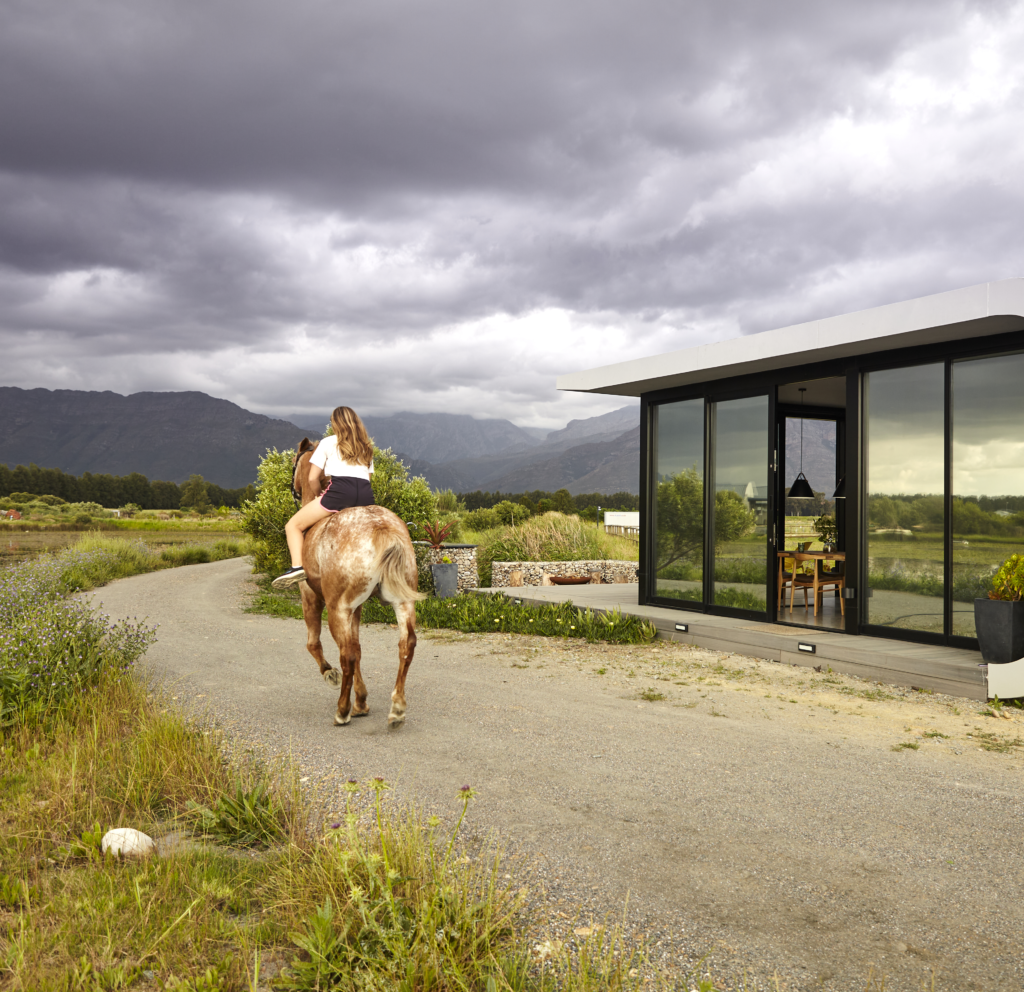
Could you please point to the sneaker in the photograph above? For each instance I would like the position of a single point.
(292, 577)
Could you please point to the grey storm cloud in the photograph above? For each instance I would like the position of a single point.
(442, 206)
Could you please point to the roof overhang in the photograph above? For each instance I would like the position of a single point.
(975, 311)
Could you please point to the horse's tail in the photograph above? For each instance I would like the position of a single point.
(396, 560)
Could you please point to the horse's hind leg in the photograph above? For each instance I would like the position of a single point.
(344, 626)
(360, 707)
(406, 615)
(312, 612)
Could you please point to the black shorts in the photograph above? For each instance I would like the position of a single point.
(345, 491)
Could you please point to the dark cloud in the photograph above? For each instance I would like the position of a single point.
(452, 202)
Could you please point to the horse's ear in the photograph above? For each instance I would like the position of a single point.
(306, 445)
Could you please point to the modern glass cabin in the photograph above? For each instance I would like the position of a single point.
(911, 418)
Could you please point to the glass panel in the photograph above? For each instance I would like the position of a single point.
(741, 502)
(988, 477)
(679, 501)
(807, 520)
(905, 459)
(819, 468)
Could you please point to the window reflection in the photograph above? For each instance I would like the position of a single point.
(988, 477)
(905, 458)
(741, 502)
(679, 501)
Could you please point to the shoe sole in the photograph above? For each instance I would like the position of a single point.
(287, 581)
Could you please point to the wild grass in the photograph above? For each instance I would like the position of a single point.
(379, 899)
(481, 613)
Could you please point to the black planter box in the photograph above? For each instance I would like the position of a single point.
(446, 580)
(1000, 626)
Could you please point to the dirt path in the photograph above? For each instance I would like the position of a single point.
(756, 810)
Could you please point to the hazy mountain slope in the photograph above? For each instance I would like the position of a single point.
(493, 471)
(611, 424)
(607, 467)
(162, 435)
(444, 437)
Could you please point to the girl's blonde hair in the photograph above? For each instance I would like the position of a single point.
(354, 444)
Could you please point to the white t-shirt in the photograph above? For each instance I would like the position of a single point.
(328, 458)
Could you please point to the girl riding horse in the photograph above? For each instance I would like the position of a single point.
(347, 457)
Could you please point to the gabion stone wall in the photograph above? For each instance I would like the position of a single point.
(533, 573)
(463, 555)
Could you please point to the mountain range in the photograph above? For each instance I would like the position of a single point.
(171, 435)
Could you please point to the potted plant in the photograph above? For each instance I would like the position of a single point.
(825, 525)
(445, 572)
(999, 620)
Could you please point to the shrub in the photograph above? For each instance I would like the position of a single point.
(510, 513)
(481, 520)
(1008, 582)
(551, 537)
(409, 498)
(51, 648)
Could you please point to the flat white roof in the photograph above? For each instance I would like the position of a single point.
(975, 311)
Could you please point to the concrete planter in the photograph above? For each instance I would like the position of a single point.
(1000, 626)
(446, 580)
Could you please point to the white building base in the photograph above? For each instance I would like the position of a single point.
(1006, 681)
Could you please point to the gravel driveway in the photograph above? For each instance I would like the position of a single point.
(757, 812)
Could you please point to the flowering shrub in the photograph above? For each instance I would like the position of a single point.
(1008, 582)
(52, 647)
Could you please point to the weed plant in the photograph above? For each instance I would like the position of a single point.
(380, 899)
(487, 613)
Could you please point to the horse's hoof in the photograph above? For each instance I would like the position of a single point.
(395, 720)
(365, 712)
(340, 721)
(332, 676)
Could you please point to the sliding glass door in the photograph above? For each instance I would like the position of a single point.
(904, 466)
(739, 466)
(987, 477)
(678, 545)
(710, 503)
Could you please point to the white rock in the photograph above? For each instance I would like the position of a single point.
(126, 841)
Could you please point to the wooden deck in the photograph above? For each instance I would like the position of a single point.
(921, 666)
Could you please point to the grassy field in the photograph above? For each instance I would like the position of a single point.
(250, 886)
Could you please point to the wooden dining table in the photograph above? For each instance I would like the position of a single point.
(818, 581)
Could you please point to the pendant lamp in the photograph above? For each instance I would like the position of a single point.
(840, 492)
(801, 488)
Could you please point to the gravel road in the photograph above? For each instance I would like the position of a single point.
(756, 813)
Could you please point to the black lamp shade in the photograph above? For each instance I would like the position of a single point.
(801, 488)
(840, 492)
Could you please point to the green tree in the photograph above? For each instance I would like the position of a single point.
(680, 518)
(264, 517)
(409, 498)
(511, 513)
(194, 494)
(563, 501)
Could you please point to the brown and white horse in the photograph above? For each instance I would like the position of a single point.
(349, 556)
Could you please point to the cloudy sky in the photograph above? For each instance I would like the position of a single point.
(402, 204)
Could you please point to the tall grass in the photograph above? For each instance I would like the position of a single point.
(549, 537)
(379, 898)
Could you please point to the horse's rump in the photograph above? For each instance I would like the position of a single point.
(395, 559)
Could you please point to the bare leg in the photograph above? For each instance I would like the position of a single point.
(345, 631)
(312, 612)
(406, 615)
(295, 529)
